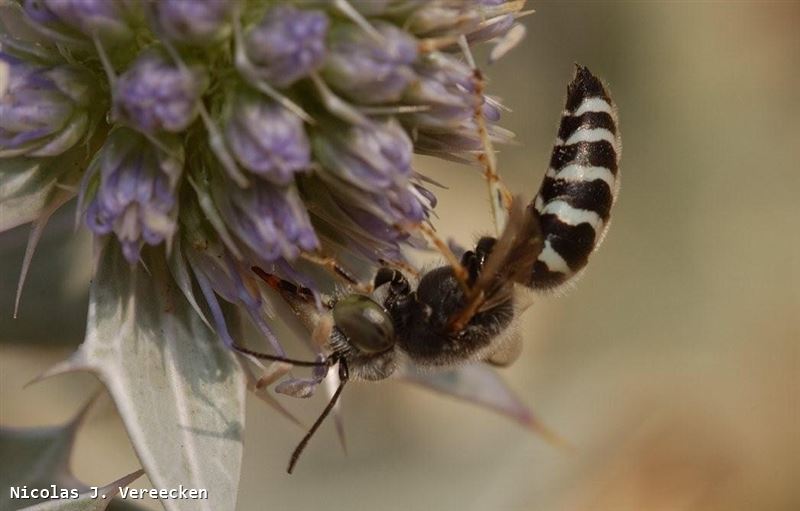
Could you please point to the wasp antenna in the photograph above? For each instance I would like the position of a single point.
(344, 375)
(277, 358)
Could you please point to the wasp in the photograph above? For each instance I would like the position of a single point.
(462, 312)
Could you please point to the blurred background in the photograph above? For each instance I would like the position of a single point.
(673, 367)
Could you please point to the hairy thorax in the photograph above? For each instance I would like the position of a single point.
(422, 322)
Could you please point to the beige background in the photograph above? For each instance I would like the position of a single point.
(673, 366)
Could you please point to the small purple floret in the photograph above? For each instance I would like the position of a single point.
(271, 221)
(105, 18)
(287, 44)
(267, 139)
(447, 86)
(43, 111)
(156, 95)
(198, 22)
(367, 70)
(136, 196)
(371, 157)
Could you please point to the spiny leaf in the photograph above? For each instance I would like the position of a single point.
(86, 501)
(38, 457)
(27, 185)
(481, 385)
(179, 391)
(59, 198)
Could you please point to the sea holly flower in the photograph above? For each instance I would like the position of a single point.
(266, 138)
(287, 44)
(440, 18)
(368, 169)
(135, 198)
(271, 221)
(448, 128)
(107, 20)
(155, 94)
(375, 156)
(370, 68)
(447, 85)
(193, 22)
(44, 110)
(207, 137)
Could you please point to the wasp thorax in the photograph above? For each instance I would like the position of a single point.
(367, 325)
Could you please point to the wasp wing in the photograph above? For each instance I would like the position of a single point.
(512, 258)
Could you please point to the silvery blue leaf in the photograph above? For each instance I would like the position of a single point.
(89, 500)
(27, 185)
(179, 391)
(480, 384)
(40, 456)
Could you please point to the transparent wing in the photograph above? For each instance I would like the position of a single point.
(510, 262)
(512, 258)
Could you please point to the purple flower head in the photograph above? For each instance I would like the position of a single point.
(372, 158)
(382, 215)
(135, 198)
(155, 94)
(107, 19)
(496, 27)
(271, 221)
(211, 260)
(366, 70)
(385, 7)
(447, 86)
(287, 44)
(440, 18)
(401, 205)
(266, 138)
(198, 22)
(44, 110)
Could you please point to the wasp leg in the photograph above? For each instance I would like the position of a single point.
(499, 196)
(327, 362)
(398, 282)
(399, 288)
(333, 266)
(459, 271)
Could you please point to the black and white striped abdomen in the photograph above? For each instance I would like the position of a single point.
(574, 202)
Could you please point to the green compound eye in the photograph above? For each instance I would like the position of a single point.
(366, 324)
